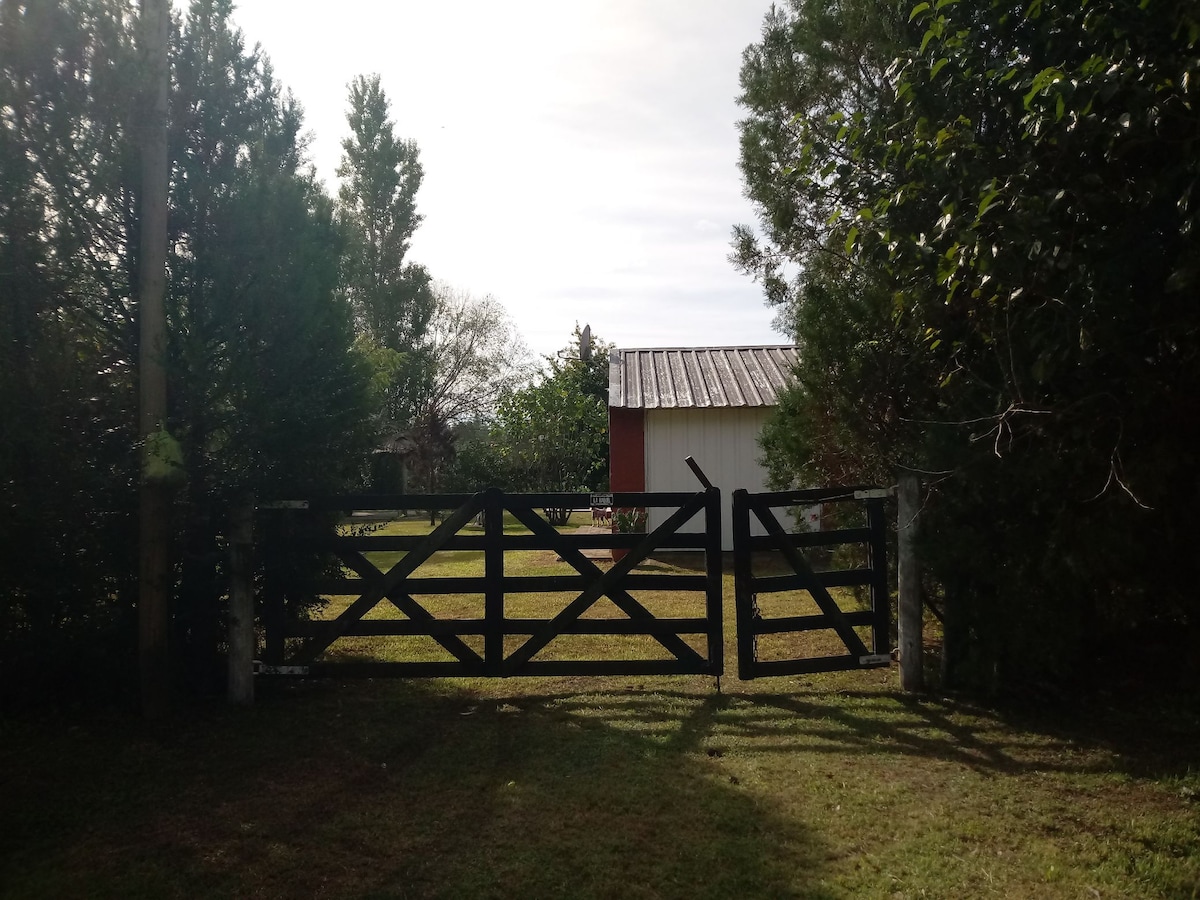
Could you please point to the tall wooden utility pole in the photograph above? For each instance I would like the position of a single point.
(154, 570)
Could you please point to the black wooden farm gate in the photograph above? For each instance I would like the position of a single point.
(510, 645)
(769, 605)
(773, 605)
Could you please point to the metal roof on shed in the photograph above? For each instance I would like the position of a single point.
(698, 377)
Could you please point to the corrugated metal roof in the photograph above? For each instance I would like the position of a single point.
(698, 377)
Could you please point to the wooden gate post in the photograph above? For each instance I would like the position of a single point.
(743, 569)
(241, 603)
(909, 611)
(714, 591)
(493, 572)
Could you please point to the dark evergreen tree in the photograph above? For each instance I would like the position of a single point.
(67, 348)
(267, 394)
(982, 229)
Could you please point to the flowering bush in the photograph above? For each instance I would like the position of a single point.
(629, 520)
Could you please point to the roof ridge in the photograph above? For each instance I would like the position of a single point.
(709, 347)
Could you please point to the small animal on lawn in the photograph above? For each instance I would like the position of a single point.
(601, 515)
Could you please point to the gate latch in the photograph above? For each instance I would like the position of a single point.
(873, 494)
(875, 659)
(264, 669)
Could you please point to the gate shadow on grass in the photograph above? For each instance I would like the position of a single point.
(387, 790)
(837, 723)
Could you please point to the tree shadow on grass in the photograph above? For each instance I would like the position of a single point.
(387, 790)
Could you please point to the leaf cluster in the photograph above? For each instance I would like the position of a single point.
(978, 221)
(551, 434)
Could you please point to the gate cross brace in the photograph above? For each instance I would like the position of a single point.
(819, 592)
(411, 608)
(390, 581)
(605, 585)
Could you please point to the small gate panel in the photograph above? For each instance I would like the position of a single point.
(793, 584)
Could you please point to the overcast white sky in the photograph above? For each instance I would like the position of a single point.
(580, 155)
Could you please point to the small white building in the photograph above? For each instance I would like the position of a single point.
(709, 403)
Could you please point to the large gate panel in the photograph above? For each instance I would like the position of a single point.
(401, 586)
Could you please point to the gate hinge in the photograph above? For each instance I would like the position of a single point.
(875, 659)
(262, 669)
(873, 494)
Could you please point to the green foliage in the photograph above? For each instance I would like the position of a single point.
(393, 300)
(551, 435)
(67, 457)
(979, 220)
(853, 385)
(269, 396)
(629, 520)
(266, 395)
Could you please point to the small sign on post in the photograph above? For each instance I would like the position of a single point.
(872, 494)
(602, 500)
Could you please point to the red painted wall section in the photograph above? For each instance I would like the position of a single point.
(627, 449)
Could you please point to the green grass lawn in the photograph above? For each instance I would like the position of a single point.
(819, 787)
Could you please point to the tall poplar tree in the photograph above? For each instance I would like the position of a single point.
(392, 299)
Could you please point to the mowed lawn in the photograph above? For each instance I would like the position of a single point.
(633, 787)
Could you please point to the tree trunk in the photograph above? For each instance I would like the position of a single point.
(154, 566)
(241, 603)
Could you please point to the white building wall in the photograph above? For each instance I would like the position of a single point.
(723, 441)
